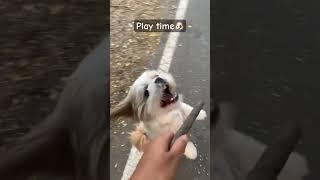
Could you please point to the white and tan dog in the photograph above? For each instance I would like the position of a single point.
(156, 107)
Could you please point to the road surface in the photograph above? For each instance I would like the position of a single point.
(191, 68)
(267, 62)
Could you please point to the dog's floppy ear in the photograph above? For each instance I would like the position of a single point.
(124, 108)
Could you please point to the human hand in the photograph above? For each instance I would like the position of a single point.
(159, 161)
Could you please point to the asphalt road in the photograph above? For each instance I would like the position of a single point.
(266, 61)
(191, 69)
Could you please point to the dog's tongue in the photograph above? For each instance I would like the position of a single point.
(168, 99)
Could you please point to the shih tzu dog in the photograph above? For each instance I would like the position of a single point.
(153, 103)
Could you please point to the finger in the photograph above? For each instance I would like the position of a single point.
(164, 141)
(146, 144)
(179, 146)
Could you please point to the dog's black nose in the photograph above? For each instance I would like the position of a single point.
(160, 81)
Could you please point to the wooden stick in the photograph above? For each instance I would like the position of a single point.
(276, 155)
(186, 126)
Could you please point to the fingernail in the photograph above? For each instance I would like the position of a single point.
(185, 137)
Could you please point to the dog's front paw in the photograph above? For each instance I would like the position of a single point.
(190, 151)
(202, 115)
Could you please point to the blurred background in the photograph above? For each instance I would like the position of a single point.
(266, 61)
(41, 44)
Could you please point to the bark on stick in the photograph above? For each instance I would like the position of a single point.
(186, 126)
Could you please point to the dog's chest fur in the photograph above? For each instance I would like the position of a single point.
(169, 121)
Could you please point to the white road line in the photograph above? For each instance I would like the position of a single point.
(172, 40)
(164, 65)
(131, 164)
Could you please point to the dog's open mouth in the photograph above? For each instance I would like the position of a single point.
(168, 97)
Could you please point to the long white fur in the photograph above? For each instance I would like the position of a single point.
(148, 112)
(234, 152)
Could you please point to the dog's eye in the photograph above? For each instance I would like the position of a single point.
(146, 92)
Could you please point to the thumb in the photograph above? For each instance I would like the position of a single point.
(179, 146)
(164, 141)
